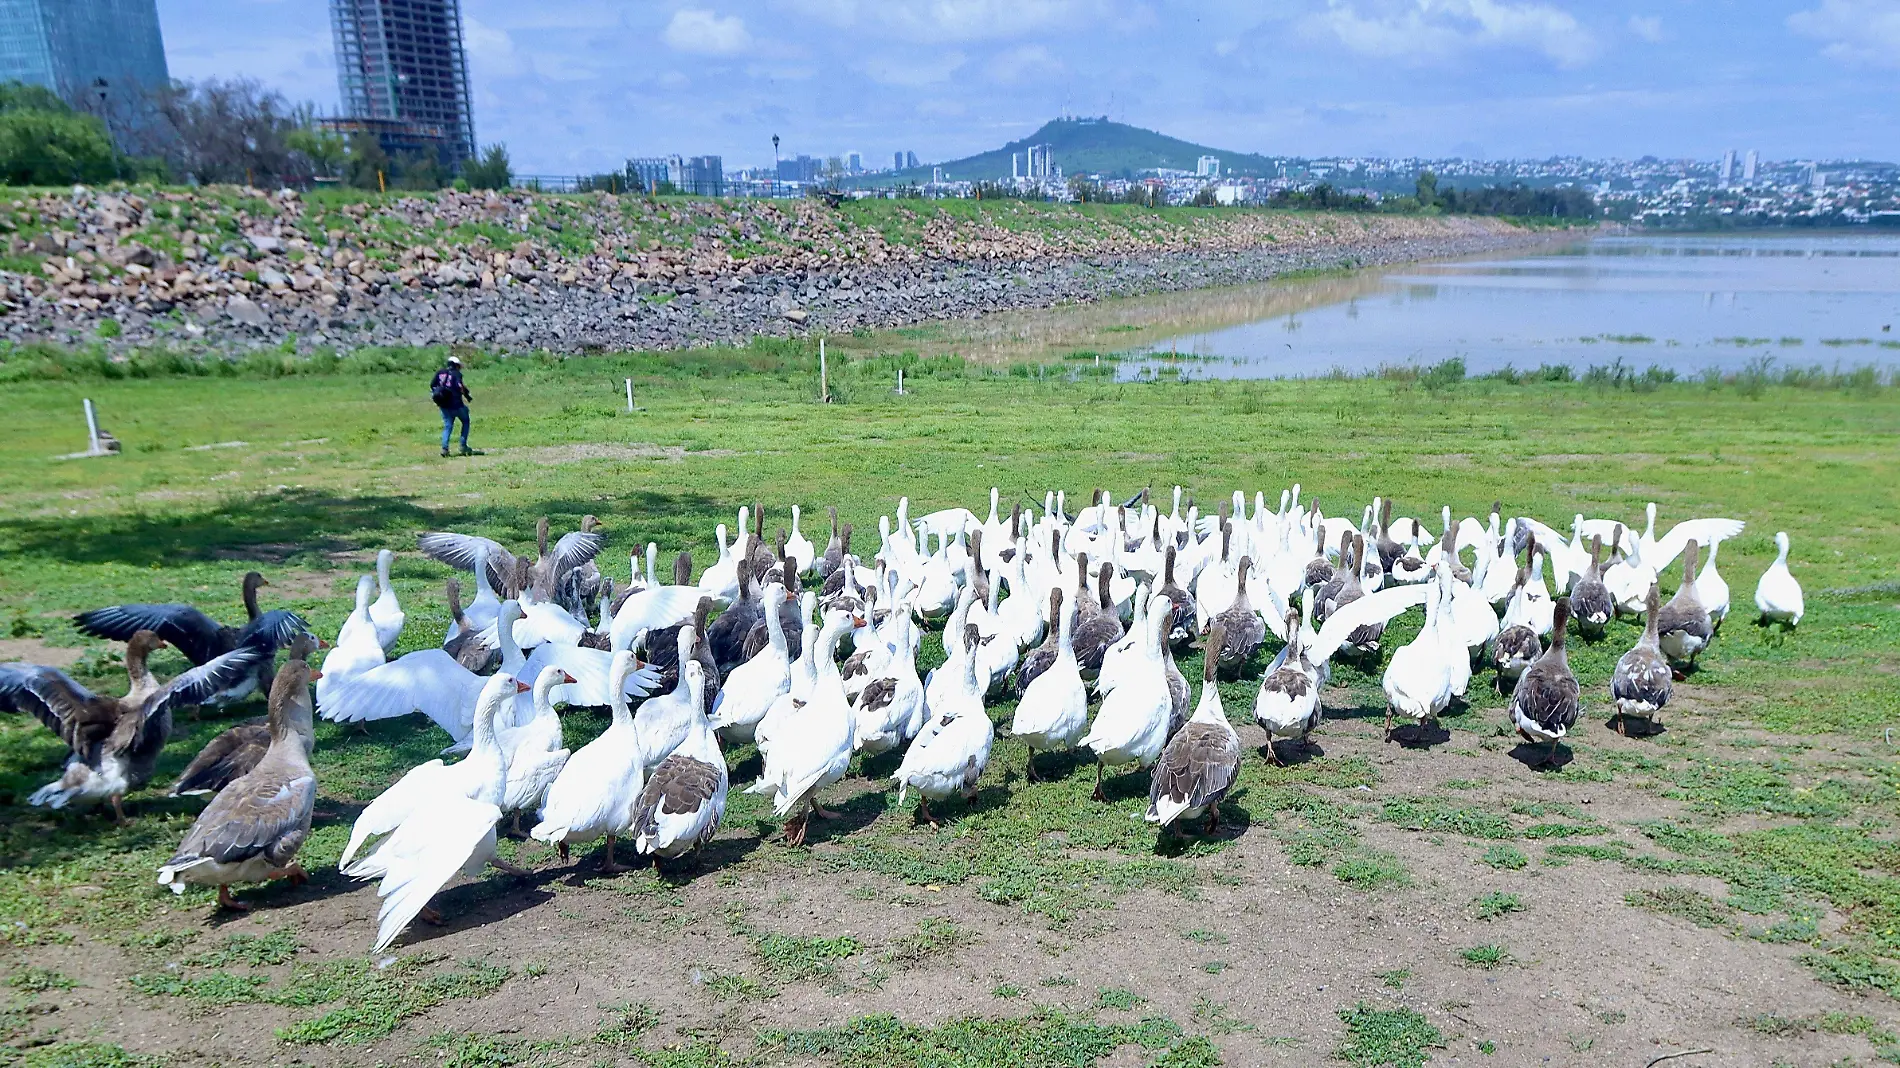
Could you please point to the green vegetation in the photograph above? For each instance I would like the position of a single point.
(1486, 956)
(1777, 788)
(1386, 1038)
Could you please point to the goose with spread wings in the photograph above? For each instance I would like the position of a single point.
(201, 638)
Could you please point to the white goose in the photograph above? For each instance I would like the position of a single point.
(482, 612)
(1777, 595)
(1713, 589)
(594, 795)
(799, 547)
(1054, 710)
(804, 674)
(535, 751)
(664, 722)
(386, 614)
(948, 755)
(748, 692)
(468, 777)
(721, 580)
(889, 707)
(1132, 725)
(1419, 681)
(356, 649)
(816, 748)
(442, 830)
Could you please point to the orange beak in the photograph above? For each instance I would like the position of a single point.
(315, 675)
(522, 687)
(321, 644)
(565, 677)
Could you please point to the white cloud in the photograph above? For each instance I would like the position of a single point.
(705, 33)
(1028, 63)
(1432, 30)
(958, 20)
(1226, 47)
(913, 72)
(492, 51)
(1648, 27)
(1855, 32)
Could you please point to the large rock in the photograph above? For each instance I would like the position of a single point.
(264, 242)
(246, 311)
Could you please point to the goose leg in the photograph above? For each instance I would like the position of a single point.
(511, 869)
(1029, 767)
(1098, 794)
(1273, 755)
(923, 811)
(1550, 759)
(429, 916)
(1622, 725)
(225, 900)
(1213, 820)
(294, 873)
(561, 848)
(824, 813)
(118, 809)
(1388, 723)
(795, 829)
(608, 864)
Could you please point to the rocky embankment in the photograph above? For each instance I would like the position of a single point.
(232, 269)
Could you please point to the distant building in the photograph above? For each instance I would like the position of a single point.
(800, 169)
(703, 176)
(1728, 169)
(402, 74)
(101, 56)
(1040, 162)
(1748, 167)
(910, 161)
(1207, 167)
(936, 175)
(1015, 166)
(854, 162)
(897, 161)
(1819, 181)
(648, 172)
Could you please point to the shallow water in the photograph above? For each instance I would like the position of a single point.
(1684, 303)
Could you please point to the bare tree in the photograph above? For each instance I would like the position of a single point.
(234, 131)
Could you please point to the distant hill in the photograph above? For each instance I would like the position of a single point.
(1096, 146)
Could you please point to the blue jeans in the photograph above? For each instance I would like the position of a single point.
(449, 416)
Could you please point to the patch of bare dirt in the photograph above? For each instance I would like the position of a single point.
(581, 452)
(35, 651)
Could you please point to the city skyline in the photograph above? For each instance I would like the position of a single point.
(1432, 79)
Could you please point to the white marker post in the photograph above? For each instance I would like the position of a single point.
(92, 431)
(824, 379)
(900, 381)
(629, 396)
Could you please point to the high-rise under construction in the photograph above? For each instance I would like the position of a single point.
(402, 74)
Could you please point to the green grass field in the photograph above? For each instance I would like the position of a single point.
(1774, 794)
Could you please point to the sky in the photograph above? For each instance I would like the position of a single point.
(580, 85)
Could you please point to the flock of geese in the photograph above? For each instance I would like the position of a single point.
(811, 655)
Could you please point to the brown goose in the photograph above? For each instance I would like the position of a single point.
(1590, 599)
(1319, 570)
(833, 556)
(1517, 645)
(1331, 590)
(1241, 626)
(201, 638)
(1287, 705)
(1642, 682)
(232, 754)
(1101, 627)
(509, 574)
(1683, 627)
(1037, 660)
(115, 741)
(1201, 762)
(836, 578)
(663, 653)
(252, 830)
(467, 647)
(1364, 639)
(1389, 551)
(1547, 700)
(1181, 616)
(760, 637)
(684, 798)
(728, 633)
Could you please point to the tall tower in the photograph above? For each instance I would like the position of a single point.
(402, 74)
(1748, 167)
(1728, 168)
(105, 57)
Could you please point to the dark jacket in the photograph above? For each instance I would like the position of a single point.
(447, 390)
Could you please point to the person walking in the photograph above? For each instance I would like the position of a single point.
(450, 395)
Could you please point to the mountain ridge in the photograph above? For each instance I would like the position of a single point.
(1096, 146)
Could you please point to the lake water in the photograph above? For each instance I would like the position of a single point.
(1684, 303)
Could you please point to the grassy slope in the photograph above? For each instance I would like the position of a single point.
(342, 463)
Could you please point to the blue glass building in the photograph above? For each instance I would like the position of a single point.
(101, 56)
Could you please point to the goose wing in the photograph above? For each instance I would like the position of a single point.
(575, 548)
(459, 552)
(1377, 608)
(429, 682)
(591, 668)
(267, 814)
(1197, 768)
(652, 610)
(1704, 532)
(206, 681)
(423, 855)
(224, 759)
(273, 629)
(190, 631)
(50, 695)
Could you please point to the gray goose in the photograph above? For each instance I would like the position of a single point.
(233, 753)
(1178, 690)
(1328, 597)
(1181, 617)
(1590, 599)
(509, 574)
(1100, 627)
(760, 637)
(1389, 551)
(115, 741)
(1547, 700)
(1037, 660)
(1517, 645)
(833, 557)
(836, 578)
(663, 653)
(1642, 682)
(727, 634)
(1241, 627)
(1319, 570)
(1364, 639)
(1682, 626)
(467, 647)
(252, 830)
(201, 638)
(1201, 762)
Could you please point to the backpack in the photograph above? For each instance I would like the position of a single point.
(443, 392)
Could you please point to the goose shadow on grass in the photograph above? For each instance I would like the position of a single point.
(1634, 726)
(1537, 757)
(1291, 753)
